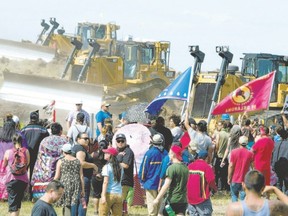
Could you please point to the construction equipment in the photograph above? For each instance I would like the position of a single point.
(138, 70)
(105, 34)
(214, 85)
(132, 70)
(51, 44)
(217, 85)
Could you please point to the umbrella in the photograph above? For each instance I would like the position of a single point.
(138, 138)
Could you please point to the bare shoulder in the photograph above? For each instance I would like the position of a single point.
(234, 209)
(278, 208)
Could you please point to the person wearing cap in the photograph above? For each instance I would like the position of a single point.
(241, 159)
(72, 115)
(111, 197)
(34, 133)
(79, 127)
(101, 116)
(50, 152)
(263, 149)
(149, 172)
(201, 182)
(175, 183)
(86, 160)
(126, 159)
(70, 173)
(200, 136)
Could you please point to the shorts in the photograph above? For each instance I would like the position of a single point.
(178, 208)
(97, 187)
(15, 189)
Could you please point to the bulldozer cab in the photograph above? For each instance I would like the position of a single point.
(142, 58)
(104, 34)
(256, 65)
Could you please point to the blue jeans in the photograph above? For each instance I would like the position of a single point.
(78, 209)
(237, 190)
(201, 209)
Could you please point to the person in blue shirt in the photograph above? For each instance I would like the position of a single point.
(149, 173)
(101, 116)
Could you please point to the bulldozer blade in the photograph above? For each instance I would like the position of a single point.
(39, 90)
(21, 50)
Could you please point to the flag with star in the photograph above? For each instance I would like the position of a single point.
(179, 89)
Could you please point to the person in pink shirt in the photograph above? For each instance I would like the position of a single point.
(201, 182)
(263, 149)
(240, 161)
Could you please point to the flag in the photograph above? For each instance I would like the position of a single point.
(254, 95)
(179, 89)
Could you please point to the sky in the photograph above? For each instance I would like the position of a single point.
(246, 26)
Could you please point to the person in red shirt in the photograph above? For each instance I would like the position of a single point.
(201, 181)
(240, 161)
(262, 150)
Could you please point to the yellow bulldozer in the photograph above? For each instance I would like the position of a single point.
(99, 67)
(138, 70)
(105, 34)
(216, 85)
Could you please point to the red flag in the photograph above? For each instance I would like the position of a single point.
(254, 95)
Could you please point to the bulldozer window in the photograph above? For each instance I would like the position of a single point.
(265, 66)
(130, 62)
(281, 74)
(100, 32)
(147, 55)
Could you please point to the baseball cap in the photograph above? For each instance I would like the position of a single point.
(177, 150)
(157, 139)
(202, 154)
(67, 148)
(243, 140)
(120, 136)
(111, 150)
(225, 116)
(104, 103)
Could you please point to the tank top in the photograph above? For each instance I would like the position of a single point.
(9, 175)
(264, 211)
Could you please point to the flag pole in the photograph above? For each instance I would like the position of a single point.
(271, 91)
(188, 96)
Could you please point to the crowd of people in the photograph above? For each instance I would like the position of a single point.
(184, 166)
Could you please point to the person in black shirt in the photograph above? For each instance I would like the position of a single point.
(126, 160)
(53, 193)
(80, 150)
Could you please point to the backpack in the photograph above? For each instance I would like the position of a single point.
(19, 164)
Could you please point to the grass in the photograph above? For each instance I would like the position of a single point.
(219, 201)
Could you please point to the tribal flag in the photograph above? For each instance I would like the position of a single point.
(254, 95)
(179, 89)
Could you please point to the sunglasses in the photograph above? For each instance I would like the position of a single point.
(120, 141)
(85, 138)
